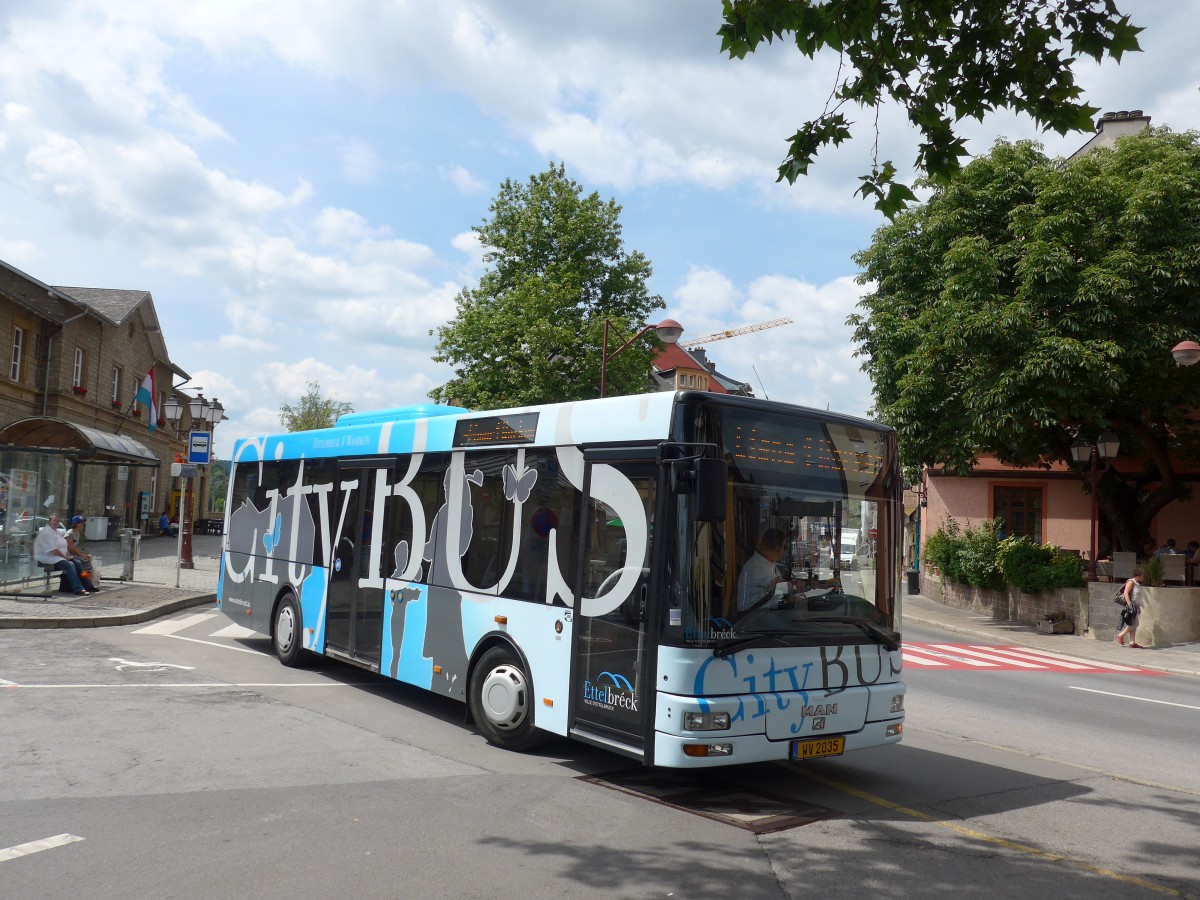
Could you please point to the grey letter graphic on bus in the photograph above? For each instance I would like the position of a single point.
(443, 628)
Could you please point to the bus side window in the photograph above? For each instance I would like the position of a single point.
(482, 556)
(427, 485)
(552, 508)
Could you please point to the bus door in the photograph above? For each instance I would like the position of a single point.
(612, 684)
(354, 611)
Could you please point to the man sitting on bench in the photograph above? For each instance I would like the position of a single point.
(50, 549)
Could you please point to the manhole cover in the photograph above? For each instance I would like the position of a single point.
(702, 795)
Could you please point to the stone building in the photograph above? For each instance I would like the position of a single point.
(73, 439)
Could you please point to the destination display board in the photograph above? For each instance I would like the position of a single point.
(515, 428)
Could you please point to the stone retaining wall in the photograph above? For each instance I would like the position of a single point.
(1171, 614)
(1009, 604)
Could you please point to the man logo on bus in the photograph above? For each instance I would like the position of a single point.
(617, 694)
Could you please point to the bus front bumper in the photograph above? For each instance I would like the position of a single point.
(715, 749)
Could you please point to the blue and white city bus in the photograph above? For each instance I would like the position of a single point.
(658, 574)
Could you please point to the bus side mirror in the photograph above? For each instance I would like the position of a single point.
(706, 480)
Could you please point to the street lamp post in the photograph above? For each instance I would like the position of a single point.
(1083, 451)
(668, 332)
(206, 414)
(1186, 353)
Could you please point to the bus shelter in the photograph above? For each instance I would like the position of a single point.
(49, 465)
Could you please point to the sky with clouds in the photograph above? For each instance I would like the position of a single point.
(295, 181)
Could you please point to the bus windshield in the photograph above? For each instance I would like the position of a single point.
(809, 550)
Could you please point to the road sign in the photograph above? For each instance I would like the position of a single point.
(184, 470)
(199, 448)
(873, 533)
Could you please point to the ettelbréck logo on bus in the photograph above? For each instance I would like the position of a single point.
(713, 629)
(611, 692)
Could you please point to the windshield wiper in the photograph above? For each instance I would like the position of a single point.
(889, 641)
(883, 637)
(722, 651)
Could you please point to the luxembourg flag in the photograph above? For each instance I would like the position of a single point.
(145, 398)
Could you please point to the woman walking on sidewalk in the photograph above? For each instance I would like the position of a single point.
(1132, 613)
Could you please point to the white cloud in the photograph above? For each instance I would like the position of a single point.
(462, 179)
(19, 253)
(809, 362)
(240, 343)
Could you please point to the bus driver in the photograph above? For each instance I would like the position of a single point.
(758, 577)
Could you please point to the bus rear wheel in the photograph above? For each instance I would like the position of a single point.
(501, 701)
(286, 633)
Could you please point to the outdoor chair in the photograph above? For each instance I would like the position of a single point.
(1173, 567)
(1123, 563)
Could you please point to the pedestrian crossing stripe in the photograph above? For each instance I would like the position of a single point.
(978, 657)
(173, 626)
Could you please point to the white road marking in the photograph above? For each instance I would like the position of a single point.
(126, 664)
(234, 631)
(206, 684)
(1085, 663)
(6, 681)
(180, 637)
(992, 656)
(941, 654)
(49, 843)
(170, 626)
(1131, 697)
(916, 658)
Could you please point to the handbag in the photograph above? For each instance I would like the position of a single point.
(1120, 598)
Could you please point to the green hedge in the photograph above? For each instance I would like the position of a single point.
(978, 557)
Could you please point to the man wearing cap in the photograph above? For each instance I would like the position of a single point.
(78, 557)
(50, 548)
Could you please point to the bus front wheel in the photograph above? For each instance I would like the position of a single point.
(286, 633)
(502, 701)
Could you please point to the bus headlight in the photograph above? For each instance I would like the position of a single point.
(898, 703)
(701, 721)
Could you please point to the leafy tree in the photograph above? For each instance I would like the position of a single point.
(942, 60)
(531, 331)
(1032, 301)
(218, 484)
(313, 411)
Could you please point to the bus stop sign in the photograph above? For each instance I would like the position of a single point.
(199, 448)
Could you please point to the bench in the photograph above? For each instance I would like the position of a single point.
(50, 570)
(63, 586)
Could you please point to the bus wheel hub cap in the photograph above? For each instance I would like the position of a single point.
(505, 697)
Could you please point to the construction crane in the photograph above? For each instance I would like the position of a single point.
(733, 332)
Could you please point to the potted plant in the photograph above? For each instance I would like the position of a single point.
(79, 390)
(1055, 623)
(1154, 569)
(136, 411)
(161, 423)
(116, 404)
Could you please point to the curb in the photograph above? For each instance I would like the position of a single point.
(102, 621)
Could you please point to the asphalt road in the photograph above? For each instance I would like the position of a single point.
(192, 764)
